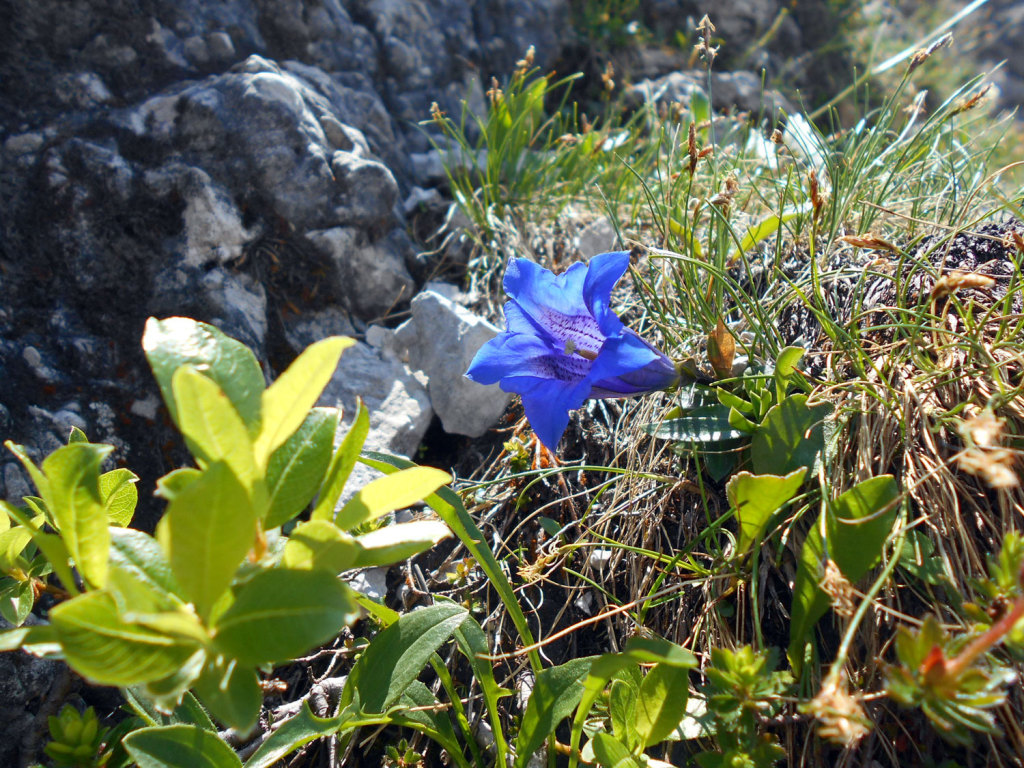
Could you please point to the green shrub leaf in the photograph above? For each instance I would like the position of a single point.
(785, 367)
(612, 753)
(207, 531)
(294, 733)
(282, 613)
(637, 650)
(288, 400)
(398, 654)
(857, 529)
(73, 498)
(756, 499)
(231, 692)
(342, 462)
(120, 495)
(140, 556)
(16, 601)
(322, 545)
(297, 468)
(556, 693)
(388, 493)
(169, 344)
(661, 704)
(397, 542)
(790, 436)
(179, 746)
(101, 646)
(705, 424)
(211, 425)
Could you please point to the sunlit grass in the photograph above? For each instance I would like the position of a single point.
(797, 233)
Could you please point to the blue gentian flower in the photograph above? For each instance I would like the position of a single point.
(563, 344)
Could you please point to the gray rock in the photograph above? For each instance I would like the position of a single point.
(370, 191)
(25, 682)
(213, 224)
(16, 484)
(441, 339)
(81, 90)
(448, 291)
(23, 144)
(431, 168)
(196, 50)
(352, 100)
(302, 330)
(397, 400)
(422, 199)
(180, 157)
(233, 301)
(237, 304)
(220, 46)
(731, 90)
(372, 276)
(739, 24)
(597, 237)
(372, 582)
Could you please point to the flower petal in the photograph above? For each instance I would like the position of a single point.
(534, 288)
(553, 304)
(621, 354)
(510, 354)
(547, 404)
(518, 321)
(604, 271)
(630, 365)
(654, 377)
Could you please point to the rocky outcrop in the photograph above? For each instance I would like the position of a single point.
(243, 162)
(255, 164)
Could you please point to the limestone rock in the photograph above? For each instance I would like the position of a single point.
(397, 400)
(441, 339)
(372, 276)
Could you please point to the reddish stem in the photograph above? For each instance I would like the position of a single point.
(992, 637)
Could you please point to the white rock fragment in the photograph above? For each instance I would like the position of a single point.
(213, 224)
(441, 339)
(597, 237)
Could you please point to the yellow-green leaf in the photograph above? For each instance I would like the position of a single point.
(857, 525)
(207, 531)
(297, 468)
(320, 544)
(177, 341)
(73, 498)
(180, 746)
(287, 401)
(101, 646)
(342, 462)
(397, 542)
(211, 425)
(756, 498)
(391, 492)
(117, 488)
(282, 613)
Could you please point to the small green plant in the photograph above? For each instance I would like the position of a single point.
(756, 408)
(76, 739)
(220, 592)
(401, 755)
(954, 679)
(743, 689)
